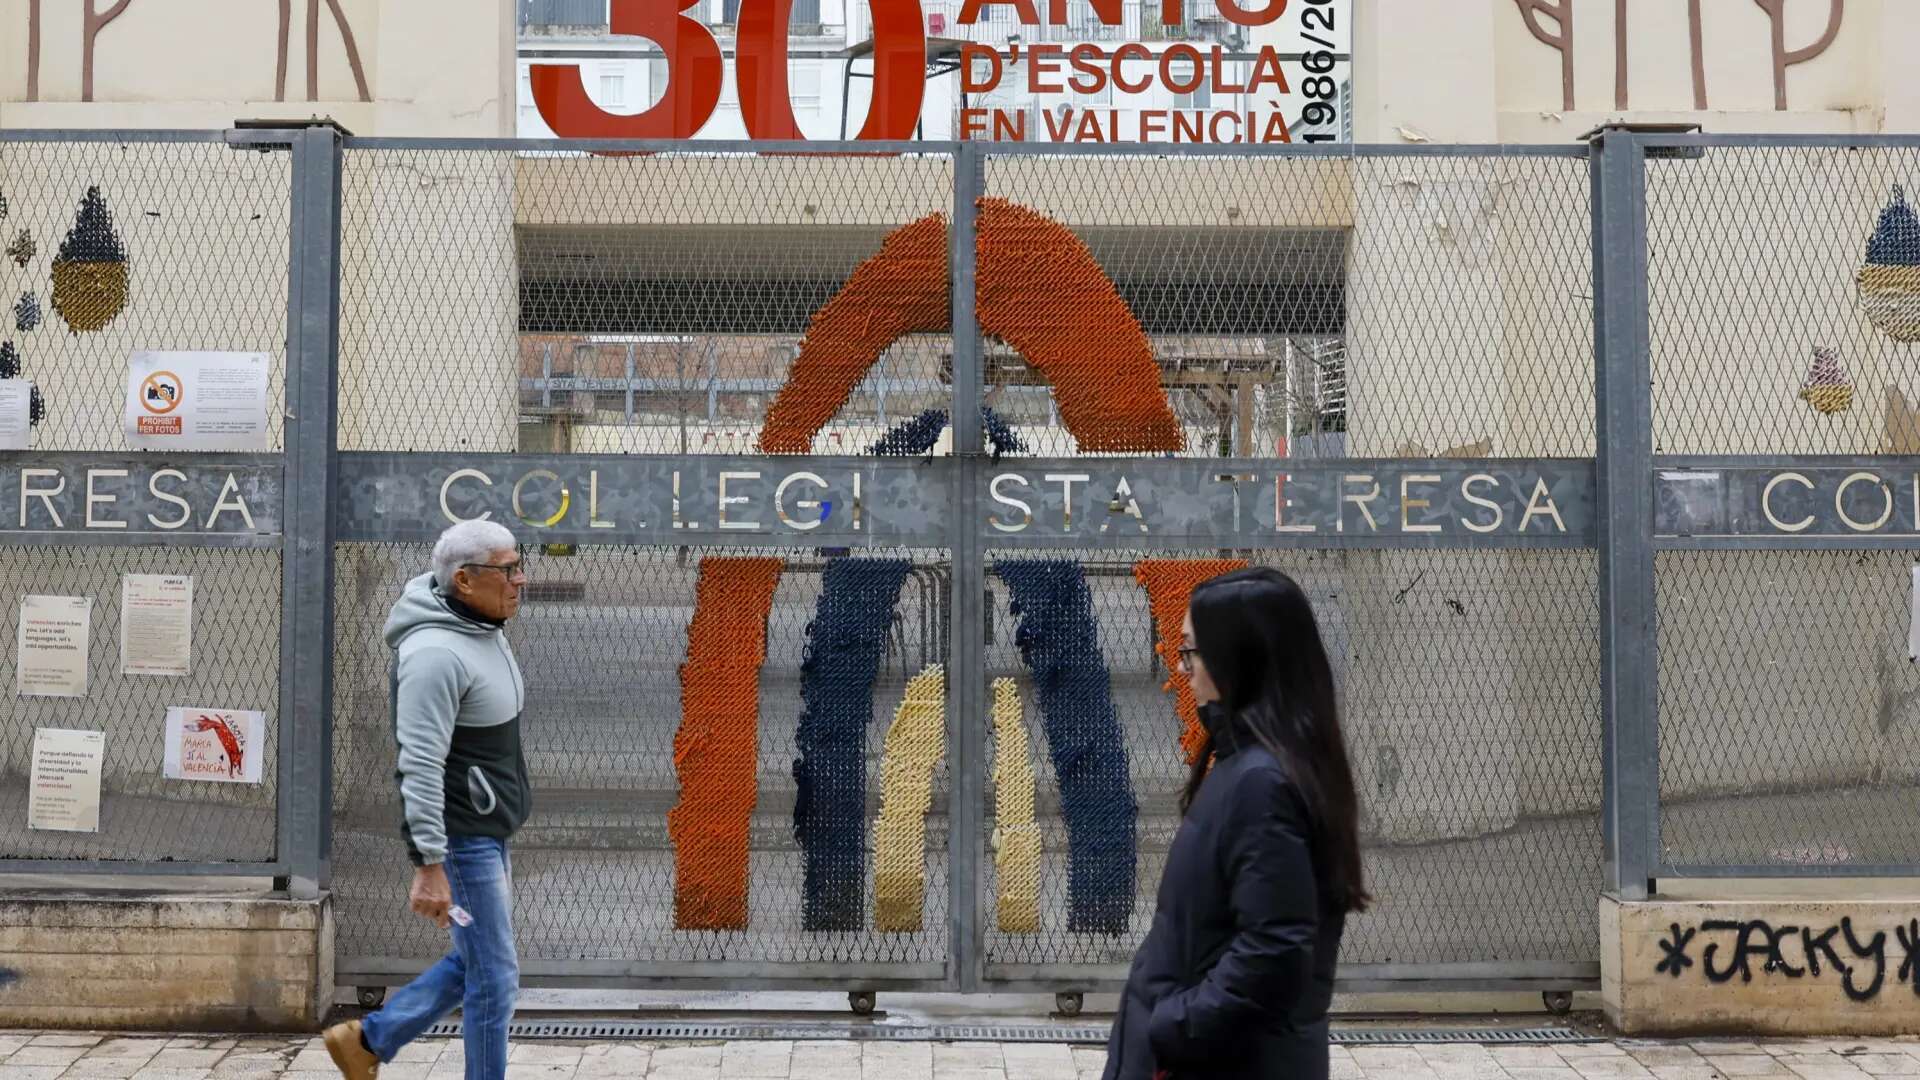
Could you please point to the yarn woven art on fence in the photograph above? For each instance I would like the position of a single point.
(1169, 584)
(912, 438)
(1039, 289)
(1889, 282)
(26, 313)
(716, 750)
(22, 249)
(845, 642)
(90, 271)
(1016, 835)
(1058, 638)
(1828, 388)
(10, 368)
(915, 741)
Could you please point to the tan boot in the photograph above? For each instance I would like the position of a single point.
(356, 1062)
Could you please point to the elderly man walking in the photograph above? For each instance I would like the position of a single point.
(457, 696)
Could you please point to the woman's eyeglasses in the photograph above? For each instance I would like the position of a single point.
(1186, 657)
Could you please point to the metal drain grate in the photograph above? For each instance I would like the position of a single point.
(622, 1030)
(616, 1030)
(1377, 1036)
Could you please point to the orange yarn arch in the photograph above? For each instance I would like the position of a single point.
(1038, 288)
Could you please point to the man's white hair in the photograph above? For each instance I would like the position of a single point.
(467, 542)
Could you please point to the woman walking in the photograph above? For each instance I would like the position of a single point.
(1236, 974)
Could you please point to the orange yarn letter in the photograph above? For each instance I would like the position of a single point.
(1169, 584)
(716, 750)
(1040, 290)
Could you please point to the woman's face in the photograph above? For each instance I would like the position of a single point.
(1204, 691)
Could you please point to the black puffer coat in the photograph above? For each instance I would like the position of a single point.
(1236, 974)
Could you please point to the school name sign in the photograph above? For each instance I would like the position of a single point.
(1049, 71)
(1271, 83)
(837, 501)
(1846, 499)
(148, 498)
(1029, 502)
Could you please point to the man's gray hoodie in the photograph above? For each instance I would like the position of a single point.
(457, 697)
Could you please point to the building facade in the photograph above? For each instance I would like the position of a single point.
(1492, 71)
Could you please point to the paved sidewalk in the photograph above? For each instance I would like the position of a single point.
(29, 1056)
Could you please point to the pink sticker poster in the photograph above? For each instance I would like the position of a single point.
(221, 745)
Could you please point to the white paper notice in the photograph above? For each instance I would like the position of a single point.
(16, 415)
(197, 401)
(51, 660)
(223, 745)
(64, 791)
(156, 624)
(1913, 617)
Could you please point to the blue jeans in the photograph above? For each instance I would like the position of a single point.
(481, 975)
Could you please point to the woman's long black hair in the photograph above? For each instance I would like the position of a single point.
(1254, 630)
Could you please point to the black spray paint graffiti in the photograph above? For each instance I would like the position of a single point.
(1796, 952)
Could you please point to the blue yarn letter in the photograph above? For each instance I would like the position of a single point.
(1059, 642)
(844, 646)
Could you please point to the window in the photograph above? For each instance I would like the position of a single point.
(1010, 92)
(613, 87)
(727, 13)
(1185, 71)
(1102, 96)
(1315, 387)
(982, 70)
(570, 15)
(803, 81)
(1084, 24)
(656, 79)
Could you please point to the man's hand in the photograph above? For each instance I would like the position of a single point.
(431, 896)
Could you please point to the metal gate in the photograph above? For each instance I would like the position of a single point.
(599, 349)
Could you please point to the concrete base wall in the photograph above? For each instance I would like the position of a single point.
(256, 962)
(1773, 964)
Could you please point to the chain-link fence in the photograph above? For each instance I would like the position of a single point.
(1374, 311)
(113, 247)
(1259, 283)
(109, 246)
(644, 306)
(1488, 852)
(144, 817)
(827, 688)
(1781, 329)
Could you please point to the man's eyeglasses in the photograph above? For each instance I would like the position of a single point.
(515, 569)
